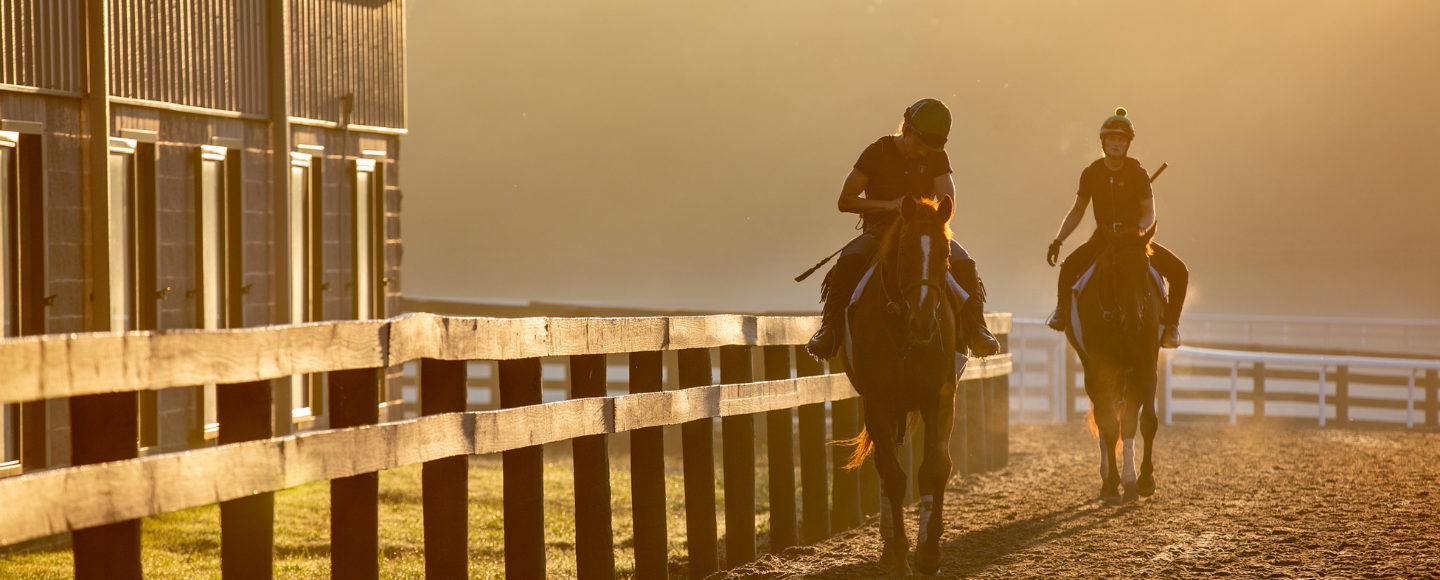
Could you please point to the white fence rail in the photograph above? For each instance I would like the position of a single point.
(1205, 384)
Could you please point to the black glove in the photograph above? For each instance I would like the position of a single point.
(1053, 254)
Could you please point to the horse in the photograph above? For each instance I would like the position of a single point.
(1115, 329)
(899, 354)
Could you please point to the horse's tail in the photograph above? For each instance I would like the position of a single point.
(864, 444)
(1095, 429)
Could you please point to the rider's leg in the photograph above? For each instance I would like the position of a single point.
(1070, 271)
(1178, 276)
(839, 285)
(971, 329)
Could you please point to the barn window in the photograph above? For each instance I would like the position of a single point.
(211, 237)
(306, 271)
(368, 241)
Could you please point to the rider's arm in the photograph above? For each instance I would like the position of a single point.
(851, 202)
(1147, 214)
(944, 187)
(1072, 219)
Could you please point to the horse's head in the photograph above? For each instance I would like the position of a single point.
(1130, 257)
(922, 259)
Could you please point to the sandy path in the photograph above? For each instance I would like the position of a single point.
(1233, 502)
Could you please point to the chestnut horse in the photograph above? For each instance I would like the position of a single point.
(900, 356)
(1115, 328)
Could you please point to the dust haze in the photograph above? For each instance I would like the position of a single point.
(689, 154)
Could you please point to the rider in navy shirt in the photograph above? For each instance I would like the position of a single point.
(1124, 204)
(910, 163)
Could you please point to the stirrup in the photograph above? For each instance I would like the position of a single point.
(1057, 322)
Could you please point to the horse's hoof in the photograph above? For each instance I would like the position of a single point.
(1146, 486)
(1130, 494)
(927, 558)
(1110, 494)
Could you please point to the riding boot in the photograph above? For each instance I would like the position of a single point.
(1060, 319)
(972, 329)
(839, 285)
(1170, 332)
(1170, 336)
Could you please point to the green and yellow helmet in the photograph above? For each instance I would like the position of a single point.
(931, 120)
(1118, 124)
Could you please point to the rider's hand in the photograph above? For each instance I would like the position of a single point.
(1053, 254)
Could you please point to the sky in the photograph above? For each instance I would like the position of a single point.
(689, 154)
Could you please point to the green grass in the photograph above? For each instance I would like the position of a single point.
(186, 544)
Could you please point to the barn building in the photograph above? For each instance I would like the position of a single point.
(194, 164)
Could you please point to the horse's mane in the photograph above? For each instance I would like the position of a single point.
(891, 237)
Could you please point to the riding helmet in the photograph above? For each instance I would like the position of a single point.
(931, 120)
(1118, 124)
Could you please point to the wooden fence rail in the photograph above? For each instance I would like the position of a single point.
(243, 471)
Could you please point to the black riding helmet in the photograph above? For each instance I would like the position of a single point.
(930, 119)
(1118, 124)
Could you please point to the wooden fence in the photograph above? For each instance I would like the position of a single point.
(101, 498)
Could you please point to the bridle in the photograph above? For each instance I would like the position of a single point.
(897, 307)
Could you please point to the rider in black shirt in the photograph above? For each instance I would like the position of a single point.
(909, 163)
(1124, 204)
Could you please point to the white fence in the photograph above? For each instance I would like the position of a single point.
(1205, 384)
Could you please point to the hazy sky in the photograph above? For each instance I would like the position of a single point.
(688, 154)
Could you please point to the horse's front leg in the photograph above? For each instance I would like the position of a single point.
(1149, 424)
(896, 550)
(1099, 386)
(935, 472)
(1129, 418)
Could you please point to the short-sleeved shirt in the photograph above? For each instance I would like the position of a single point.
(892, 175)
(1116, 195)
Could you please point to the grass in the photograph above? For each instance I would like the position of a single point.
(186, 544)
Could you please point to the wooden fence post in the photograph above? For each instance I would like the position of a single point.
(999, 421)
(524, 471)
(34, 436)
(647, 475)
(1432, 385)
(959, 433)
(1342, 394)
(845, 509)
(106, 428)
(247, 525)
(445, 490)
(1258, 370)
(594, 535)
(738, 450)
(975, 425)
(815, 501)
(355, 500)
(698, 441)
(779, 435)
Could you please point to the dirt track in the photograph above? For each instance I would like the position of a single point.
(1232, 502)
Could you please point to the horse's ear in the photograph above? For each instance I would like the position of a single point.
(946, 209)
(907, 209)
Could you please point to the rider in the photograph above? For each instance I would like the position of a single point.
(911, 162)
(1124, 204)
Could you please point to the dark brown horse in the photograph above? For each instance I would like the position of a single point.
(900, 356)
(1115, 328)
